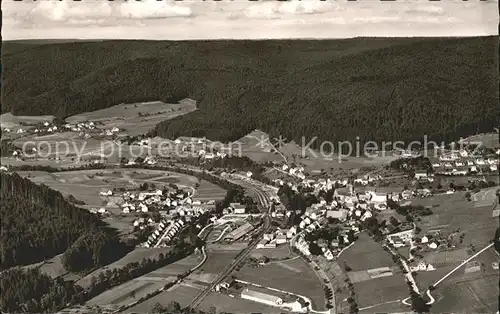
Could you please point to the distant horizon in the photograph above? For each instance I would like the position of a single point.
(249, 39)
(238, 20)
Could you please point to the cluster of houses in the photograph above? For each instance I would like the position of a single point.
(463, 165)
(148, 160)
(400, 236)
(166, 202)
(18, 131)
(165, 232)
(297, 172)
(83, 128)
(280, 236)
(350, 210)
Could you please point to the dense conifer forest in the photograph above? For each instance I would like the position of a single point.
(383, 89)
(37, 222)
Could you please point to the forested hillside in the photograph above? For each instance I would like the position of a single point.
(37, 222)
(377, 89)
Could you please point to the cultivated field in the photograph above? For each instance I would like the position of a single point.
(136, 118)
(469, 296)
(300, 279)
(137, 255)
(85, 185)
(216, 263)
(281, 252)
(467, 292)
(209, 191)
(126, 293)
(365, 254)
(179, 293)
(452, 212)
(184, 294)
(381, 290)
(225, 303)
(143, 285)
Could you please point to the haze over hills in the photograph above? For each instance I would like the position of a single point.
(378, 89)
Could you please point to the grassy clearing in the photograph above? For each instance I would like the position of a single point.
(225, 303)
(126, 293)
(280, 252)
(475, 296)
(137, 118)
(452, 212)
(380, 290)
(8, 120)
(179, 293)
(217, 262)
(209, 191)
(135, 256)
(365, 254)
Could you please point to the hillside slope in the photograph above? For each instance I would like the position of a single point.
(37, 222)
(377, 89)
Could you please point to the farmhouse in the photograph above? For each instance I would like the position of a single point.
(262, 244)
(261, 297)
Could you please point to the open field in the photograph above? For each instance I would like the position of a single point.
(300, 279)
(391, 306)
(135, 256)
(473, 292)
(452, 212)
(485, 197)
(486, 140)
(225, 303)
(141, 286)
(380, 290)
(280, 252)
(179, 293)
(52, 267)
(233, 247)
(468, 296)
(209, 191)
(365, 254)
(85, 185)
(216, 263)
(136, 118)
(7, 120)
(256, 146)
(126, 293)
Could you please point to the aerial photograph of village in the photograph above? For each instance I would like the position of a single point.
(143, 172)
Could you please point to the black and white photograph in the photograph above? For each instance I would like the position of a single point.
(244, 157)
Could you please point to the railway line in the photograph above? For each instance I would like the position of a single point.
(264, 200)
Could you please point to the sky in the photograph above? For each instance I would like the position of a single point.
(239, 19)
